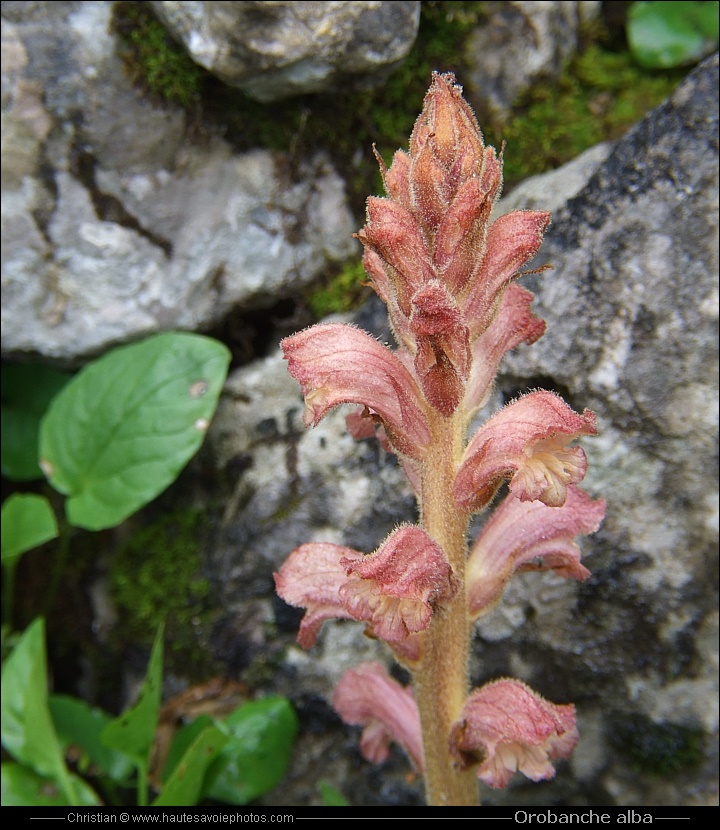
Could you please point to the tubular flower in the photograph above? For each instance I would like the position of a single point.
(336, 363)
(367, 696)
(527, 442)
(521, 536)
(514, 324)
(507, 728)
(392, 590)
(311, 578)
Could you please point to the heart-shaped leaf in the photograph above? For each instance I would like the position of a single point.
(120, 432)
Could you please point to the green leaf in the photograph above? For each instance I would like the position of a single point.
(262, 734)
(28, 733)
(80, 726)
(182, 740)
(27, 390)
(21, 787)
(184, 786)
(121, 431)
(666, 34)
(27, 522)
(331, 796)
(133, 732)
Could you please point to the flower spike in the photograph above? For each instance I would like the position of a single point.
(447, 275)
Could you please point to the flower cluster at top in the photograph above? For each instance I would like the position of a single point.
(447, 275)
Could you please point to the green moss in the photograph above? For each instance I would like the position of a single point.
(154, 60)
(599, 97)
(342, 292)
(156, 577)
(662, 749)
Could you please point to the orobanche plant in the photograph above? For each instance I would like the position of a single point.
(447, 275)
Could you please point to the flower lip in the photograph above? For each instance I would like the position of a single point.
(394, 588)
(311, 578)
(507, 727)
(526, 441)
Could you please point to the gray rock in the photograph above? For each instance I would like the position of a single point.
(551, 190)
(273, 50)
(521, 42)
(113, 226)
(632, 310)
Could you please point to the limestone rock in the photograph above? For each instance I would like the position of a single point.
(274, 50)
(114, 226)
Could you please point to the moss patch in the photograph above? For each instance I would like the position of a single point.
(155, 577)
(598, 98)
(153, 59)
(662, 749)
(341, 292)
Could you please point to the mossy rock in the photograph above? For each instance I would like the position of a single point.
(156, 576)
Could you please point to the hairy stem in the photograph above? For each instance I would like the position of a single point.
(441, 681)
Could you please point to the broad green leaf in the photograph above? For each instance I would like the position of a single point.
(21, 787)
(133, 732)
(254, 760)
(667, 33)
(27, 522)
(27, 729)
(184, 786)
(80, 726)
(122, 430)
(27, 390)
(331, 796)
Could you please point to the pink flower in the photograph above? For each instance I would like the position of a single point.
(311, 578)
(393, 590)
(527, 442)
(512, 241)
(507, 727)
(521, 536)
(336, 363)
(367, 696)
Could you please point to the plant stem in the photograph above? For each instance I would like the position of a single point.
(441, 681)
